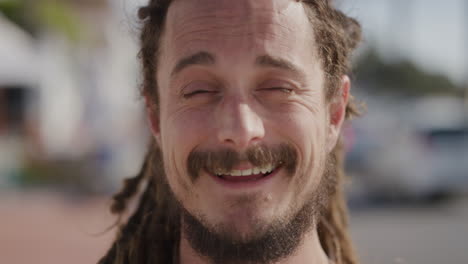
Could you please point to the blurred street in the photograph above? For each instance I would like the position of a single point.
(44, 228)
(413, 235)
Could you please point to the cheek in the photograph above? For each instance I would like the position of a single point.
(188, 127)
(307, 131)
(181, 132)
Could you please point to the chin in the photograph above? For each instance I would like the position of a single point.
(250, 222)
(239, 222)
(244, 228)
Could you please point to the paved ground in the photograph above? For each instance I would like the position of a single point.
(431, 235)
(46, 229)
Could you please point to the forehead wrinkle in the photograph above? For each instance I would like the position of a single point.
(226, 26)
(239, 9)
(226, 21)
(198, 28)
(192, 35)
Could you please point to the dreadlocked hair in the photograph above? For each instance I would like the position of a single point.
(152, 233)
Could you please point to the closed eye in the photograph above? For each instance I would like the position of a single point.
(198, 92)
(199, 88)
(277, 89)
(277, 85)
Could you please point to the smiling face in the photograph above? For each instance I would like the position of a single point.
(243, 126)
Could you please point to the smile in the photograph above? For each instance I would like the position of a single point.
(248, 172)
(246, 177)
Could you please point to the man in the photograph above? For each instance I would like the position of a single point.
(246, 100)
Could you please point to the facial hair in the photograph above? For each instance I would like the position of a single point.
(225, 159)
(268, 244)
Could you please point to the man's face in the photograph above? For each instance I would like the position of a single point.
(235, 75)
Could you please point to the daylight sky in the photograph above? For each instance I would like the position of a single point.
(432, 33)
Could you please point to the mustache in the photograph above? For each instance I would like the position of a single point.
(226, 158)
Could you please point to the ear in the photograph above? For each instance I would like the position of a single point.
(153, 118)
(337, 112)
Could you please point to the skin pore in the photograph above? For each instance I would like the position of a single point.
(233, 75)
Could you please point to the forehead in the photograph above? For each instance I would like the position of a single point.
(236, 29)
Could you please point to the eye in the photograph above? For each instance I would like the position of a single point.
(276, 86)
(199, 88)
(278, 89)
(197, 92)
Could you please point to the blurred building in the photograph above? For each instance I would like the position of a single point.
(67, 99)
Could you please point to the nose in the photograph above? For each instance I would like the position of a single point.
(238, 125)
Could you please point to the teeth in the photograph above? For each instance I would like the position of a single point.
(247, 172)
(267, 169)
(235, 173)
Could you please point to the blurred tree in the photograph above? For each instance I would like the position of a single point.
(34, 15)
(15, 10)
(401, 77)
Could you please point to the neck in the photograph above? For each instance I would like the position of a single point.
(309, 251)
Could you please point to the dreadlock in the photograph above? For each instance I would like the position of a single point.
(151, 234)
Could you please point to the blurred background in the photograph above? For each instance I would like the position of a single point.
(72, 126)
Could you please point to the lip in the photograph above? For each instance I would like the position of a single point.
(245, 184)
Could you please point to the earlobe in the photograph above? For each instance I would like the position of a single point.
(337, 112)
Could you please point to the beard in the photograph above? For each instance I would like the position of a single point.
(268, 243)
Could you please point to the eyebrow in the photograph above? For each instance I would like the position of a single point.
(206, 58)
(275, 62)
(199, 58)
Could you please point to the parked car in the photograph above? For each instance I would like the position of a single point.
(397, 157)
(448, 158)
